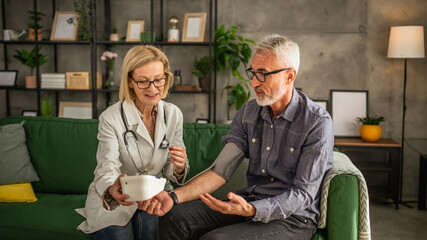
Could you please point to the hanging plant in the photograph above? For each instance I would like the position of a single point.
(84, 11)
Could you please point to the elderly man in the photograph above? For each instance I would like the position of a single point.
(289, 142)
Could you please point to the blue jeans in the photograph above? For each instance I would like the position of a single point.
(142, 226)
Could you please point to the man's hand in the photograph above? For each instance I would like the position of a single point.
(158, 205)
(116, 192)
(236, 206)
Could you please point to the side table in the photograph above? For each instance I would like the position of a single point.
(392, 167)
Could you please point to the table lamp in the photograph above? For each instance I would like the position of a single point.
(405, 42)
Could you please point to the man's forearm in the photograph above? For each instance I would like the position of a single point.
(207, 182)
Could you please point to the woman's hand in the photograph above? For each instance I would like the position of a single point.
(179, 158)
(116, 192)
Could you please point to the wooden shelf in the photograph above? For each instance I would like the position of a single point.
(358, 142)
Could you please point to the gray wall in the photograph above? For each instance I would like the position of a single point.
(343, 46)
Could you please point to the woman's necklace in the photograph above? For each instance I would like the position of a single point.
(153, 118)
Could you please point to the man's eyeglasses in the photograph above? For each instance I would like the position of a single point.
(261, 76)
(146, 84)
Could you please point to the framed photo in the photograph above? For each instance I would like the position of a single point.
(81, 110)
(202, 120)
(322, 103)
(135, 28)
(8, 78)
(30, 113)
(347, 105)
(194, 27)
(65, 26)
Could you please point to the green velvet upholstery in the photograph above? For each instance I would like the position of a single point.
(63, 152)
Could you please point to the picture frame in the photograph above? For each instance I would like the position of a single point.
(194, 27)
(8, 78)
(322, 103)
(135, 28)
(346, 106)
(81, 110)
(29, 113)
(65, 26)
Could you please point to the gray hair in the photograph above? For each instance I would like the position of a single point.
(283, 47)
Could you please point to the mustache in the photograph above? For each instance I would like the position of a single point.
(259, 88)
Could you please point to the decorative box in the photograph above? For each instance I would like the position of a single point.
(82, 80)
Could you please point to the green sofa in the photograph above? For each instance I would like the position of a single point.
(63, 154)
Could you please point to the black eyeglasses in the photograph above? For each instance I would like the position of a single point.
(261, 76)
(146, 84)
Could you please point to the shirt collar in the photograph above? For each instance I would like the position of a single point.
(290, 110)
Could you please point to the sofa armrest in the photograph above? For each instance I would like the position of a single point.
(343, 208)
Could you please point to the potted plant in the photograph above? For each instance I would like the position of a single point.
(29, 59)
(370, 130)
(231, 51)
(32, 27)
(201, 70)
(114, 37)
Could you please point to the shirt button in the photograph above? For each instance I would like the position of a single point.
(272, 179)
(268, 148)
(271, 126)
(263, 171)
(292, 149)
(253, 140)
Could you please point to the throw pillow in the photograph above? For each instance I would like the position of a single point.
(21, 192)
(15, 164)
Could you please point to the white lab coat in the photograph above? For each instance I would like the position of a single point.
(113, 159)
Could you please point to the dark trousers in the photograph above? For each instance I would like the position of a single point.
(194, 220)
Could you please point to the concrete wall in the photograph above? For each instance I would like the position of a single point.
(343, 46)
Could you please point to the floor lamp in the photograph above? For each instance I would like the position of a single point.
(405, 42)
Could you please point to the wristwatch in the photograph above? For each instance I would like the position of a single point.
(174, 197)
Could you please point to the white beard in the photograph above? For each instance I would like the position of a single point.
(268, 100)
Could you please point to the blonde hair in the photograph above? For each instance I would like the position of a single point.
(135, 58)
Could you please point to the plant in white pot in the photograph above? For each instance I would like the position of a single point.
(231, 51)
(370, 130)
(28, 58)
(201, 70)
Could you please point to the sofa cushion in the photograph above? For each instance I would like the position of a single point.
(15, 164)
(203, 143)
(63, 152)
(51, 217)
(20, 192)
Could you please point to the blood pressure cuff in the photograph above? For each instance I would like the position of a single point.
(227, 161)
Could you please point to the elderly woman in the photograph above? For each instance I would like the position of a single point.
(140, 134)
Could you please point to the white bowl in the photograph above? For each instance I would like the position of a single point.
(142, 187)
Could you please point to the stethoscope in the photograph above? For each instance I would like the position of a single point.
(163, 145)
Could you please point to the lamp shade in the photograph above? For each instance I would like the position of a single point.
(406, 42)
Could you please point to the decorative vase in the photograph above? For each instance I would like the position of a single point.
(114, 37)
(110, 80)
(30, 82)
(370, 133)
(32, 34)
(46, 105)
(204, 83)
